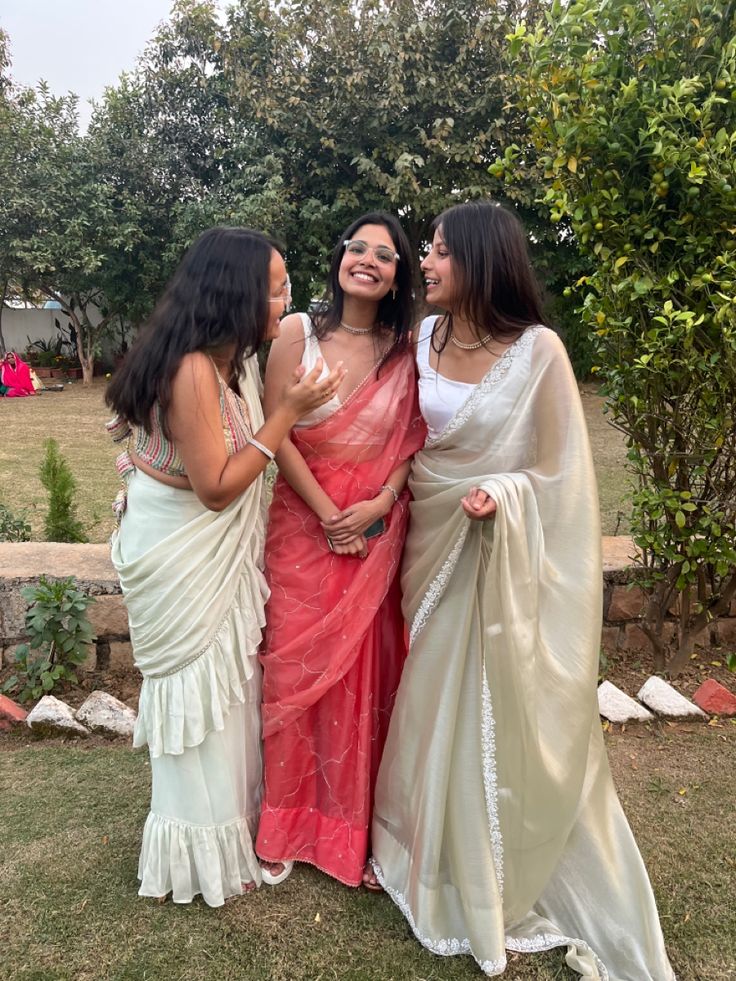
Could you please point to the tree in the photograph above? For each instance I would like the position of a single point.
(632, 110)
(395, 105)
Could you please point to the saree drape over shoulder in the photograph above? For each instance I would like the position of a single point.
(496, 824)
(194, 589)
(335, 640)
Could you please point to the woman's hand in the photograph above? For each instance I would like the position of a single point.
(478, 505)
(303, 393)
(357, 546)
(354, 520)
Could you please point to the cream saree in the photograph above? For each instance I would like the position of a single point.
(194, 589)
(496, 823)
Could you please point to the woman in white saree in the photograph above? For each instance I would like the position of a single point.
(496, 823)
(189, 553)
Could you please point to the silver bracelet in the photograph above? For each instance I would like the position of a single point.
(259, 446)
(388, 487)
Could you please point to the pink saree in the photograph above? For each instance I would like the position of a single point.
(335, 641)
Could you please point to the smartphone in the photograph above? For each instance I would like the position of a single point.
(377, 528)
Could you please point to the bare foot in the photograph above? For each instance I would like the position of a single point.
(370, 881)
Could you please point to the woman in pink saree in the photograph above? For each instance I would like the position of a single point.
(15, 377)
(335, 641)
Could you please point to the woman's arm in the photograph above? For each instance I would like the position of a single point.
(195, 423)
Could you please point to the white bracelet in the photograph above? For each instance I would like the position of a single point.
(259, 446)
(388, 487)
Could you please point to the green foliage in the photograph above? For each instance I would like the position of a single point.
(293, 118)
(60, 635)
(61, 523)
(374, 105)
(12, 527)
(632, 110)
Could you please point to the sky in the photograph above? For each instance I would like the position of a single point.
(78, 45)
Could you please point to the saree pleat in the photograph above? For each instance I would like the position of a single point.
(335, 640)
(496, 823)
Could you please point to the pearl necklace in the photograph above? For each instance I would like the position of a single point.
(355, 330)
(470, 347)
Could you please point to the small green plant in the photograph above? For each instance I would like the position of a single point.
(13, 528)
(62, 524)
(60, 633)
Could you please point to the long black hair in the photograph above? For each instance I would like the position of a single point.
(218, 295)
(395, 312)
(492, 273)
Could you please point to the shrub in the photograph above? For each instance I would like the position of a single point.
(60, 633)
(632, 110)
(12, 527)
(61, 523)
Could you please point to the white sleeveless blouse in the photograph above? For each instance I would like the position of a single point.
(312, 353)
(439, 397)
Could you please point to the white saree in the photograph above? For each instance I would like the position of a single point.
(195, 595)
(496, 823)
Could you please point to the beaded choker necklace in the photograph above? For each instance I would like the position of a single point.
(355, 330)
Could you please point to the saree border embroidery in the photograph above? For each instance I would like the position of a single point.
(494, 374)
(490, 779)
(542, 941)
(451, 946)
(548, 941)
(445, 947)
(437, 587)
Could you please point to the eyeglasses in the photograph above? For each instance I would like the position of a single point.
(283, 296)
(382, 253)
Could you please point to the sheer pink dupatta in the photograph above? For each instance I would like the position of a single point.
(310, 645)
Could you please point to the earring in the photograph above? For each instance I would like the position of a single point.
(393, 293)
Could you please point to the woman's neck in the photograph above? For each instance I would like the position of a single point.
(462, 329)
(358, 313)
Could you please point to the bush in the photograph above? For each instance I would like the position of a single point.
(61, 523)
(632, 110)
(12, 527)
(59, 631)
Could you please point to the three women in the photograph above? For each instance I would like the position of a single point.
(496, 825)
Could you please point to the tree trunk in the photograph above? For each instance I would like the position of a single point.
(88, 368)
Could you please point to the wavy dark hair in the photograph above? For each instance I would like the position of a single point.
(218, 295)
(492, 272)
(396, 313)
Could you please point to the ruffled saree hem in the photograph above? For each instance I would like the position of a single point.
(187, 860)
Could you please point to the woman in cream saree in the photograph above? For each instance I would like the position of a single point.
(189, 554)
(496, 824)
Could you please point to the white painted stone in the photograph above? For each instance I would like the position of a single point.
(616, 706)
(52, 717)
(107, 715)
(662, 698)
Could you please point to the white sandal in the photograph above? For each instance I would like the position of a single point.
(274, 880)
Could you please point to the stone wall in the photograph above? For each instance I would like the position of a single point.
(21, 564)
(623, 604)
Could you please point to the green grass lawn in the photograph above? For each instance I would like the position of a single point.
(71, 819)
(76, 418)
